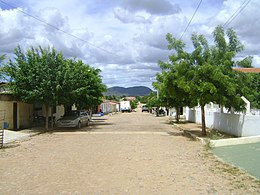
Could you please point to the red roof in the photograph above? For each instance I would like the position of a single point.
(248, 70)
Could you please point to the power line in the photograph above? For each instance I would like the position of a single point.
(234, 15)
(237, 12)
(58, 29)
(191, 18)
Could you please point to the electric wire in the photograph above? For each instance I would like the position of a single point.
(234, 15)
(58, 29)
(237, 12)
(191, 19)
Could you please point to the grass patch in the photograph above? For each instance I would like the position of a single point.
(214, 134)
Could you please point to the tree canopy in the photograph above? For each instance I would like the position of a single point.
(204, 75)
(44, 76)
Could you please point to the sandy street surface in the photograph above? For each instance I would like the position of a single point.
(127, 153)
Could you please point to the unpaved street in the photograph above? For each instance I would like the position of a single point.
(129, 153)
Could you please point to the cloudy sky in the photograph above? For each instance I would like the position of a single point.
(123, 38)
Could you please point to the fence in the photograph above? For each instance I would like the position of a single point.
(240, 125)
(2, 120)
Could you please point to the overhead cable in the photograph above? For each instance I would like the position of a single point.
(237, 12)
(191, 19)
(56, 28)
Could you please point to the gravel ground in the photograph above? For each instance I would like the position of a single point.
(126, 153)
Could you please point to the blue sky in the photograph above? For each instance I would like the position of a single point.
(124, 38)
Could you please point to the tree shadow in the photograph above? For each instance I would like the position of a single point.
(183, 134)
(10, 145)
(94, 124)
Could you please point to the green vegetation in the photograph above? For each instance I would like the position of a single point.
(2, 57)
(254, 85)
(43, 75)
(204, 75)
(150, 100)
(134, 104)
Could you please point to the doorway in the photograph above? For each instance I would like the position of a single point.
(15, 117)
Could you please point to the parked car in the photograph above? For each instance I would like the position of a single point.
(75, 118)
(145, 108)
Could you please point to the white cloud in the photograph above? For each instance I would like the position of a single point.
(125, 39)
(162, 7)
(126, 17)
(256, 61)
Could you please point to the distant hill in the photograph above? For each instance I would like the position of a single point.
(130, 91)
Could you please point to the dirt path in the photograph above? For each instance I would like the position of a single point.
(129, 153)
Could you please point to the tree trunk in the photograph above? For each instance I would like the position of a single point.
(177, 114)
(52, 118)
(46, 116)
(203, 122)
(221, 109)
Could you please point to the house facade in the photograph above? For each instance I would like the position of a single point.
(19, 115)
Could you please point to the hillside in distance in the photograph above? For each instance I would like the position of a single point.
(130, 91)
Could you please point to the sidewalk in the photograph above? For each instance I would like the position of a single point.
(193, 129)
(12, 136)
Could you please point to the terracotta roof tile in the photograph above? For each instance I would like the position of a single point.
(248, 70)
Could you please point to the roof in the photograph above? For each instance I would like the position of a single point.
(130, 98)
(248, 70)
(3, 83)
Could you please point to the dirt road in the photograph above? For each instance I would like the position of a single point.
(129, 153)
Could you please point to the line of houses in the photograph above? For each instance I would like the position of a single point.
(17, 115)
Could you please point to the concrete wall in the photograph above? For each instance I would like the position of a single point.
(6, 107)
(60, 110)
(24, 114)
(234, 124)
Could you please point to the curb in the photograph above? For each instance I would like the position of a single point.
(24, 137)
(221, 142)
(202, 140)
(235, 141)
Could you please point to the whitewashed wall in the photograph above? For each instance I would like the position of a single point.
(235, 124)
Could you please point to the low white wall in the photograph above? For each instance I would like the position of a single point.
(234, 124)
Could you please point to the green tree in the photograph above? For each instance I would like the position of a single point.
(34, 76)
(172, 83)
(214, 79)
(254, 87)
(44, 76)
(134, 104)
(2, 57)
(246, 62)
(152, 100)
(204, 75)
(81, 85)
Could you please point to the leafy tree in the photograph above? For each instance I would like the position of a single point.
(246, 62)
(44, 76)
(204, 75)
(112, 97)
(174, 90)
(213, 79)
(81, 85)
(134, 104)
(152, 100)
(34, 76)
(254, 86)
(2, 57)
(138, 98)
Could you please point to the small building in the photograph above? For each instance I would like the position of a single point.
(109, 106)
(19, 115)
